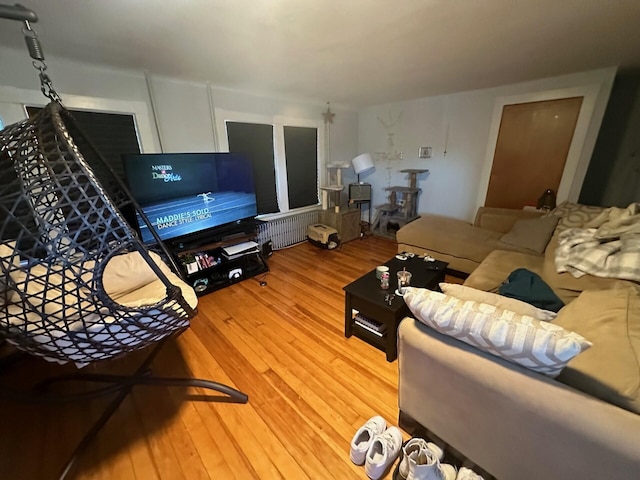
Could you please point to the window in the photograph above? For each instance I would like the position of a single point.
(301, 149)
(112, 134)
(286, 156)
(256, 142)
(1, 124)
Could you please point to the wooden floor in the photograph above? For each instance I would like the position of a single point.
(283, 344)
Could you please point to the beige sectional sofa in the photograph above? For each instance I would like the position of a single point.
(519, 424)
(462, 244)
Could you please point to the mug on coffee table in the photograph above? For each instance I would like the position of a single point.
(380, 270)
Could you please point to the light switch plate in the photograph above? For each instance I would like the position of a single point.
(424, 152)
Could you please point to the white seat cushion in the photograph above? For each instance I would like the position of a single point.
(64, 318)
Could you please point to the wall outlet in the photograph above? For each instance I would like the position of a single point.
(424, 152)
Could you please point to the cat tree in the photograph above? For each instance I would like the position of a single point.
(401, 207)
(333, 191)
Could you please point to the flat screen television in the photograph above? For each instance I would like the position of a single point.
(187, 193)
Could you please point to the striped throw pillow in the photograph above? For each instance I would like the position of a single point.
(540, 346)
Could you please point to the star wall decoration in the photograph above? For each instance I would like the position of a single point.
(328, 115)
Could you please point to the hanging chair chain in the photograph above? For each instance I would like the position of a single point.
(35, 50)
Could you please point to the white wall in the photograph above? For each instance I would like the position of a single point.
(176, 100)
(182, 107)
(80, 85)
(465, 123)
(466, 119)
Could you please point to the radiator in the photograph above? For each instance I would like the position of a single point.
(286, 231)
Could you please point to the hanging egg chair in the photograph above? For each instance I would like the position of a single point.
(79, 285)
(76, 282)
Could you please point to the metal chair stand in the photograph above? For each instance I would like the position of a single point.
(120, 386)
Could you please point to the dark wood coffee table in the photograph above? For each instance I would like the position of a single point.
(366, 296)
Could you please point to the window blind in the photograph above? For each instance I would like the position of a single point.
(256, 142)
(301, 149)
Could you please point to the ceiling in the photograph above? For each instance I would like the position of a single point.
(350, 52)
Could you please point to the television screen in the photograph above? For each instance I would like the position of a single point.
(186, 193)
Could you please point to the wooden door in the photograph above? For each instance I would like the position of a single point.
(531, 151)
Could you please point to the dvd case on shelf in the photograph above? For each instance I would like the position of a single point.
(371, 325)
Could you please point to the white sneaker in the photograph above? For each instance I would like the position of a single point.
(383, 452)
(467, 474)
(364, 437)
(410, 452)
(428, 467)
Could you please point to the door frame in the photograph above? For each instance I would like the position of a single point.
(579, 153)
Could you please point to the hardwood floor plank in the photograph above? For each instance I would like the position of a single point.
(200, 362)
(209, 447)
(116, 461)
(296, 372)
(243, 421)
(331, 429)
(142, 460)
(260, 445)
(309, 387)
(156, 425)
(312, 454)
(310, 382)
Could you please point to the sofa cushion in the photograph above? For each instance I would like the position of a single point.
(521, 308)
(611, 369)
(498, 265)
(502, 219)
(449, 235)
(540, 346)
(532, 233)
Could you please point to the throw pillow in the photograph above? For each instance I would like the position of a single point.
(540, 346)
(531, 233)
(472, 294)
(527, 286)
(611, 369)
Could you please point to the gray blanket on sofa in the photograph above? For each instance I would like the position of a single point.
(609, 246)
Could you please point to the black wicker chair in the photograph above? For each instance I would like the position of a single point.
(60, 230)
(76, 282)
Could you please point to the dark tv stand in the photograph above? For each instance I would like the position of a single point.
(205, 266)
(226, 233)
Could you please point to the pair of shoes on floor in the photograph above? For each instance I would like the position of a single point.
(421, 461)
(467, 474)
(376, 446)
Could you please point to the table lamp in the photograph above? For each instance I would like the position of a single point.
(362, 163)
